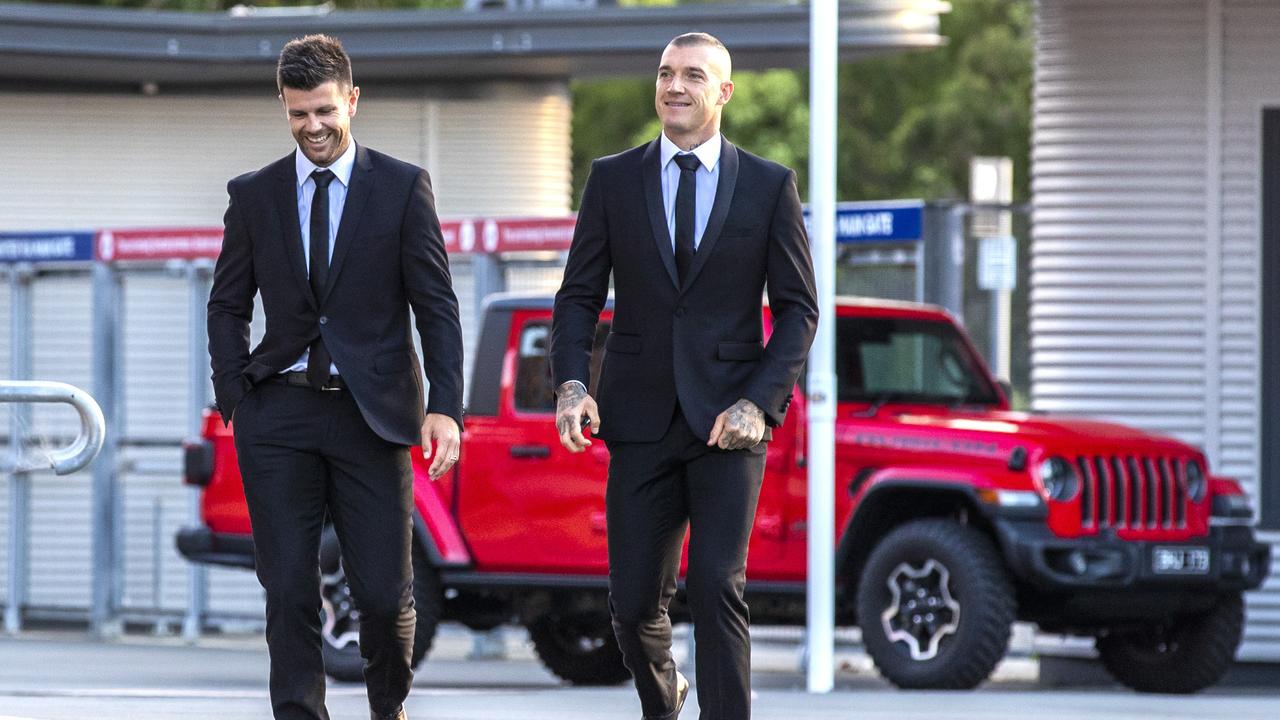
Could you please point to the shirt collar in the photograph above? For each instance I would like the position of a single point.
(341, 167)
(708, 152)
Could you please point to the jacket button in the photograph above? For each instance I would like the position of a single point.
(324, 320)
(680, 312)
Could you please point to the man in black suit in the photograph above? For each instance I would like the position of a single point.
(341, 241)
(693, 230)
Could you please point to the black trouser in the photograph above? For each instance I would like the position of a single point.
(303, 452)
(654, 490)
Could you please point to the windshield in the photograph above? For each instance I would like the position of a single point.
(885, 359)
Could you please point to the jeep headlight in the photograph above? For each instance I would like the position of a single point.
(1058, 479)
(1196, 484)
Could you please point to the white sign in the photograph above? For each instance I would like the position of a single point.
(998, 263)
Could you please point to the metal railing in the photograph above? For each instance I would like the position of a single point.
(62, 461)
(82, 450)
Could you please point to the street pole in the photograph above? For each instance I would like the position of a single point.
(20, 277)
(106, 299)
(991, 188)
(820, 606)
(198, 274)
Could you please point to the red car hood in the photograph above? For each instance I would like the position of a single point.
(1045, 428)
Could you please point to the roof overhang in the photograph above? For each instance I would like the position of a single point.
(83, 45)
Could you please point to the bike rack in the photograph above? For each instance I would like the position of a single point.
(93, 428)
(93, 431)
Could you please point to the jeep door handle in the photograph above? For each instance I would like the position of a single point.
(530, 451)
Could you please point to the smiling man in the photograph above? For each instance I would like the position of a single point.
(341, 242)
(693, 231)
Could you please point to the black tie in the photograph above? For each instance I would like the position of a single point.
(318, 272)
(686, 213)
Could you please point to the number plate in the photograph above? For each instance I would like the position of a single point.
(1180, 561)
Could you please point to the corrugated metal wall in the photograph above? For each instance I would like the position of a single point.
(1250, 82)
(1117, 298)
(1145, 253)
(85, 161)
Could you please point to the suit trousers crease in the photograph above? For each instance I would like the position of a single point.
(303, 453)
(655, 490)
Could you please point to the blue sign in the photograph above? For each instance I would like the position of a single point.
(46, 247)
(887, 221)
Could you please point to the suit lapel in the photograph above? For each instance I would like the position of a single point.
(651, 171)
(352, 212)
(286, 197)
(719, 209)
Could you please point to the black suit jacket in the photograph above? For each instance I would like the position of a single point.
(388, 256)
(701, 344)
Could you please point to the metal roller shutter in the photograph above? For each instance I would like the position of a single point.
(1250, 57)
(1145, 254)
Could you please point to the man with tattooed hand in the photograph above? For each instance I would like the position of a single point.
(693, 230)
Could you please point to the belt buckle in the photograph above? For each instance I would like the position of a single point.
(330, 388)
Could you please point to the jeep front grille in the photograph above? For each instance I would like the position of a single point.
(1134, 493)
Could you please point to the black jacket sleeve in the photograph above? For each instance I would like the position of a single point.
(793, 300)
(429, 286)
(230, 309)
(584, 289)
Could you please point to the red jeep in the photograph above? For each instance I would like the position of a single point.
(956, 517)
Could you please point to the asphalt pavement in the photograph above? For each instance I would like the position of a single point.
(63, 675)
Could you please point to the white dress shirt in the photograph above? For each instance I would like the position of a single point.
(707, 176)
(341, 169)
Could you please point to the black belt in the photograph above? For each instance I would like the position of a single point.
(298, 378)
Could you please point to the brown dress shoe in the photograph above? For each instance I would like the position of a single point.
(682, 692)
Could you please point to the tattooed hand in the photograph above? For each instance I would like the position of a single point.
(572, 404)
(739, 427)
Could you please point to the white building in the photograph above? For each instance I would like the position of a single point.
(1156, 234)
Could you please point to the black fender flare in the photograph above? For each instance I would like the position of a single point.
(890, 503)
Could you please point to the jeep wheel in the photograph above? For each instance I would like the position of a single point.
(1185, 656)
(580, 648)
(935, 606)
(340, 620)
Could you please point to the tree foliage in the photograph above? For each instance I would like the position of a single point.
(908, 123)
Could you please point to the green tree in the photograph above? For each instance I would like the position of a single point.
(908, 122)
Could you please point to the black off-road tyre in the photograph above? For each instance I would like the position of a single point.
(428, 602)
(341, 649)
(1185, 656)
(959, 630)
(580, 648)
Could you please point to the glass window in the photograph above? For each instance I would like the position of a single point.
(534, 391)
(882, 359)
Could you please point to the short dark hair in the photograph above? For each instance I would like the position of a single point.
(695, 39)
(308, 62)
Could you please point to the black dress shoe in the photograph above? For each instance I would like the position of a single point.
(397, 715)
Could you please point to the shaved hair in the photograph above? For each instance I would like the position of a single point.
(701, 39)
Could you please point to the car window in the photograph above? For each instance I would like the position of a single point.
(887, 358)
(534, 391)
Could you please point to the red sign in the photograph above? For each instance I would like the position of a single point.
(489, 235)
(159, 244)
(478, 235)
